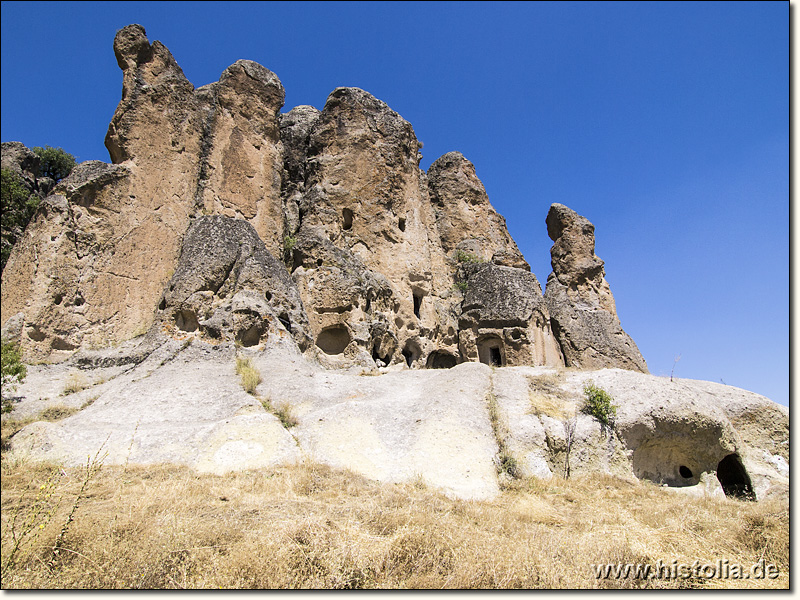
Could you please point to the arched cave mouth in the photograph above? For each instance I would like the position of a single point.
(250, 336)
(734, 479)
(411, 352)
(186, 320)
(333, 340)
(439, 359)
(347, 219)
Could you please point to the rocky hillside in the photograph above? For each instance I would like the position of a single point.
(212, 190)
(312, 242)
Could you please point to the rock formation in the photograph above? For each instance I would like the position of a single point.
(380, 253)
(312, 239)
(582, 311)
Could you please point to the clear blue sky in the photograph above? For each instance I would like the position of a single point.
(665, 124)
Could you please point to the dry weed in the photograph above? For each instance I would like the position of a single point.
(76, 382)
(311, 526)
(547, 397)
(249, 375)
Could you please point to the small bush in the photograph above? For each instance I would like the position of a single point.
(283, 411)
(289, 243)
(18, 207)
(56, 163)
(76, 382)
(467, 257)
(250, 377)
(599, 404)
(13, 371)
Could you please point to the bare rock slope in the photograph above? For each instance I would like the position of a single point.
(455, 429)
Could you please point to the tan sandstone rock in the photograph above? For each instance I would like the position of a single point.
(582, 310)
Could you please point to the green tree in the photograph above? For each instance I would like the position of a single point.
(56, 163)
(13, 371)
(18, 207)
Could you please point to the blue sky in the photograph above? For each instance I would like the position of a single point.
(665, 124)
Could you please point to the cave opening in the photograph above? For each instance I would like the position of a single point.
(417, 303)
(333, 340)
(734, 479)
(441, 360)
(347, 218)
(490, 351)
(411, 353)
(495, 358)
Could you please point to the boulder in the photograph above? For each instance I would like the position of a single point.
(583, 315)
(227, 286)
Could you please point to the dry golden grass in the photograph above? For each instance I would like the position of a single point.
(248, 374)
(76, 382)
(547, 398)
(310, 526)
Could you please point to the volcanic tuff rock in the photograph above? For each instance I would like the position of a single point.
(582, 311)
(451, 428)
(374, 245)
(312, 239)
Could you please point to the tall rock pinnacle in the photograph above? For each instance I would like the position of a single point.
(583, 315)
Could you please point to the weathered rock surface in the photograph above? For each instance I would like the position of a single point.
(504, 320)
(183, 403)
(465, 219)
(227, 286)
(583, 315)
(22, 161)
(312, 240)
(91, 268)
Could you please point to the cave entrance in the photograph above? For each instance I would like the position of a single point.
(186, 320)
(734, 478)
(411, 353)
(490, 352)
(333, 340)
(347, 218)
(380, 360)
(441, 360)
(417, 303)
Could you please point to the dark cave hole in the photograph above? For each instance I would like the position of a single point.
(347, 218)
(734, 478)
(417, 303)
(495, 357)
(685, 472)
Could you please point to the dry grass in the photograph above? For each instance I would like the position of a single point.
(248, 374)
(76, 382)
(316, 527)
(281, 410)
(547, 398)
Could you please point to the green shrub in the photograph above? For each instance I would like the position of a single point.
(289, 243)
(18, 207)
(467, 257)
(13, 371)
(599, 404)
(56, 163)
(283, 411)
